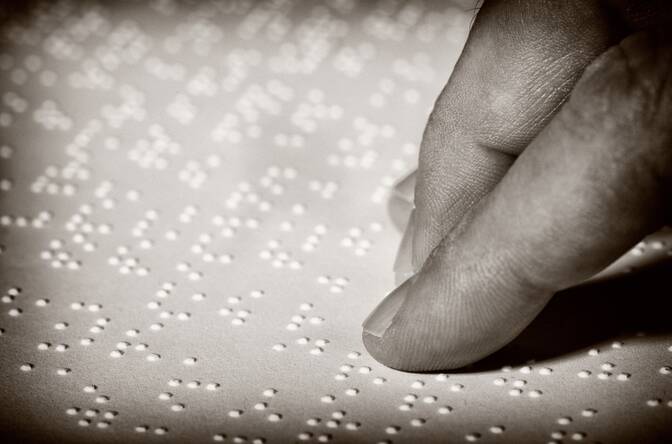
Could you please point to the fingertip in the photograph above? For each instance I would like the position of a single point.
(390, 354)
(404, 356)
(455, 311)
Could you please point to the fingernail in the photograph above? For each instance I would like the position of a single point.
(399, 211)
(403, 263)
(405, 188)
(381, 317)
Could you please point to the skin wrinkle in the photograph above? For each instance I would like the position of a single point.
(434, 206)
(540, 95)
(431, 207)
(616, 153)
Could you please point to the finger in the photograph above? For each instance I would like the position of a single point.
(520, 62)
(592, 184)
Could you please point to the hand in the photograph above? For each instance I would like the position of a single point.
(547, 156)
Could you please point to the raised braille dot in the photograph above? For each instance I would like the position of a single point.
(418, 422)
(565, 420)
(665, 370)
(654, 402)
(269, 393)
(26, 367)
(471, 437)
(583, 374)
(588, 413)
(392, 430)
(497, 430)
(190, 361)
(578, 436)
(274, 417)
(623, 376)
(444, 410)
(235, 413)
(177, 407)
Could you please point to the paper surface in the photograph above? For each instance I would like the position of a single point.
(194, 225)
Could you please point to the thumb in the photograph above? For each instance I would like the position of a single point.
(590, 186)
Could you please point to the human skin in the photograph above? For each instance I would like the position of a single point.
(547, 155)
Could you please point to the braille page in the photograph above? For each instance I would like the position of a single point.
(193, 225)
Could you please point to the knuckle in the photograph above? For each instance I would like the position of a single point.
(625, 98)
(628, 84)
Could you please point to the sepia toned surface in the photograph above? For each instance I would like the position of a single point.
(194, 224)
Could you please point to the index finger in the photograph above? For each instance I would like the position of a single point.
(519, 64)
